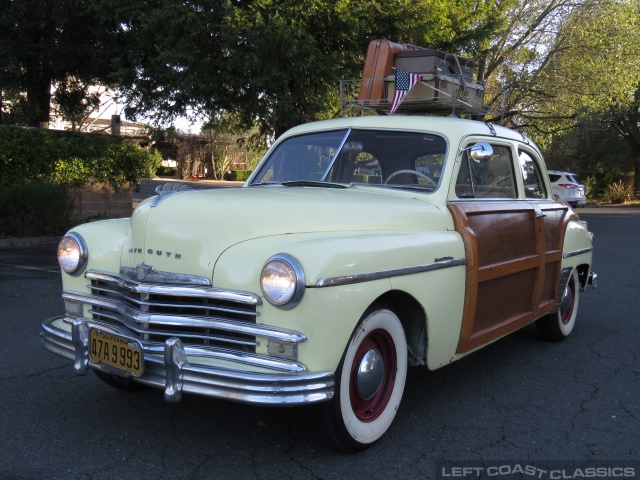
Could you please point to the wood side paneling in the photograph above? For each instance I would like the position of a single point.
(514, 252)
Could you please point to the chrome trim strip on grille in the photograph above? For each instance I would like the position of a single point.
(99, 315)
(144, 305)
(577, 252)
(147, 273)
(134, 286)
(369, 277)
(146, 319)
(282, 388)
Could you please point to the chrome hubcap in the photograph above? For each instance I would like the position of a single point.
(567, 301)
(370, 374)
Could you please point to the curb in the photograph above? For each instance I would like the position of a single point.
(28, 241)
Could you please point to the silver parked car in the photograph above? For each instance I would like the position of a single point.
(566, 186)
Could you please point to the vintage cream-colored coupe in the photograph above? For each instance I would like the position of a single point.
(359, 247)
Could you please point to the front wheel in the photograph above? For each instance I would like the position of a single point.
(557, 326)
(369, 383)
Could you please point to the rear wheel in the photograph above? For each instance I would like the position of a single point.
(557, 326)
(369, 383)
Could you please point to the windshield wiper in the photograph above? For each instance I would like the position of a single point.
(313, 183)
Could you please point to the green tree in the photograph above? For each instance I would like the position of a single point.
(46, 41)
(274, 63)
(584, 97)
(624, 119)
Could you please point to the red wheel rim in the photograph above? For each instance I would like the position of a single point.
(566, 314)
(369, 410)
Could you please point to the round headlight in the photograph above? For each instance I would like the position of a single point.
(72, 254)
(282, 281)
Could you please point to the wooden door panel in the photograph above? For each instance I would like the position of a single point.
(514, 252)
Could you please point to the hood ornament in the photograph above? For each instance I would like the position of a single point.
(167, 190)
(147, 273)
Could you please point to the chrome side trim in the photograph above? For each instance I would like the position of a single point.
(148, 273)
(134, 286)
(577, 252)
(145, 319)
(176, 375)
(369, 277)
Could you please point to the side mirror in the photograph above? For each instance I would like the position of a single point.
(481, 151)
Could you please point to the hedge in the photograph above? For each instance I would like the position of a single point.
(71, 159)
(33, 209)
(238, 175)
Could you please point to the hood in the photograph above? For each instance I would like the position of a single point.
(188, 231)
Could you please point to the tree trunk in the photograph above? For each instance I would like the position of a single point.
(39, 72)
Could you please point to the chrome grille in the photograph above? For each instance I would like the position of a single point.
(197, 314)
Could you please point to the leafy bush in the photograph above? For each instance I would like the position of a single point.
(72, 159)
(237, 175)
(33, 209)
(242, 175)
(596, 183)
(618, 193)
(166, 171)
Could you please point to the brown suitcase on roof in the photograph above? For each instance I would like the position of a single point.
(435, 62)
(377, 65)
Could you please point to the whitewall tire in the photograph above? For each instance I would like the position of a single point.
(369, 383)
(557, 326)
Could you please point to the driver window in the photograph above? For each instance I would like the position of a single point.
(487, 178)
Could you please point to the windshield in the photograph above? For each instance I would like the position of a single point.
(369, 157)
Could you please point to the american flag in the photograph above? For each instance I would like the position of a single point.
(404, 82)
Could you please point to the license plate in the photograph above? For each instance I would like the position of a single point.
(122, 353)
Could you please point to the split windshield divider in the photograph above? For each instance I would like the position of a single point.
(333, 160)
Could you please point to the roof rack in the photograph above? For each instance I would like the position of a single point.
(450, 95)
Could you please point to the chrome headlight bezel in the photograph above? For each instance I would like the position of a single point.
(73, 246)
(285, 269)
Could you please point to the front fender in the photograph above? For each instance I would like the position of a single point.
(105, 240)
(327, 316)
(329, 255)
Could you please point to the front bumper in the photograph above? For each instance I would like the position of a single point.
(172, 372)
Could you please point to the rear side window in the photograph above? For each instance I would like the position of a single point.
(532, 176)
(553, 177)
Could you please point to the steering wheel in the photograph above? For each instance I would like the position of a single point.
(414, 172)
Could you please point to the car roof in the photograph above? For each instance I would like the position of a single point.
(450, 126)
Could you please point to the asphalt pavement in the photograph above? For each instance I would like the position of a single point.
(518, 403)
